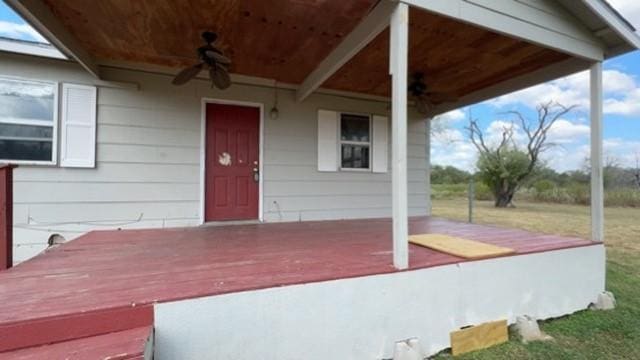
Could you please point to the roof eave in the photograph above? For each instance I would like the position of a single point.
(618, 24)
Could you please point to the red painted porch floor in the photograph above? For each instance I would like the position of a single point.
(107, 281)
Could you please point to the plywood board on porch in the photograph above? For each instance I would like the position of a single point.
(479, 337)
(468, 249)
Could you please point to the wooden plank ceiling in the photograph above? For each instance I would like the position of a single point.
(286, 39)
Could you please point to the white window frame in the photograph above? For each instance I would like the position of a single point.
(54, 131)
(348, 142)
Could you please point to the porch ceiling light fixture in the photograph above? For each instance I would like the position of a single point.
(274, 113)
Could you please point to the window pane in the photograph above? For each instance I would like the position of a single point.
(355, 156)
(354, 128)
(25, 150)
(26, 100)
(25, 131)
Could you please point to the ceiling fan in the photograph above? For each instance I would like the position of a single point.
(212, 59)
(423, 98)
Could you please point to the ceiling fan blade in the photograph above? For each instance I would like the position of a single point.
(220, 77)
(217, 57)
(221, 67)
(211, 59)
(422, 105)
(187, 74)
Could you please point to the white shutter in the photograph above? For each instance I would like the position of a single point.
(78, 126)
(380, 155)
(327, 140)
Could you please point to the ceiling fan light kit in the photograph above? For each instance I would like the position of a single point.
(211, 59)
(418, 91)
(424, 98)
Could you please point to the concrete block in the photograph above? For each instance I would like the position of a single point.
(605, 301)
(409, 349)
(528, 329)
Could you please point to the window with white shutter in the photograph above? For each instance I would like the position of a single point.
(352, 142)
(78, 126)
(380, 162)
(327, 140)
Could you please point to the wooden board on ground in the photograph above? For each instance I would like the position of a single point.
(479, 337)
(468, 249)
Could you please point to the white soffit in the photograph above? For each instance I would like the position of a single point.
(30, 48)
(607, 23)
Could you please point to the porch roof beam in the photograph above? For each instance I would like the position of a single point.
(521, 22)
(372, 25)
(38, 15)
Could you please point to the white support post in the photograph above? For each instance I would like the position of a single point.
(398, 54)
(427, 129)
(597, 182)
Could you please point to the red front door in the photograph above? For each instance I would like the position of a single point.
(231, 162)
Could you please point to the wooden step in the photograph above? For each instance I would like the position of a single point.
(49, 330)
(132, 344)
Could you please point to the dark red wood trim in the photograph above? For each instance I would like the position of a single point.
(52, 330)
(6, 216)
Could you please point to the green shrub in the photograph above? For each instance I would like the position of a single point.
(449, 175)
(543, 186)
(460, 191)
(627, 197)
(482, 191)
(448, 191)
(579, 193)
(569, 190)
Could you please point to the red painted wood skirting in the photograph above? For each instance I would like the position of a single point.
(6, 216)
(88, 286)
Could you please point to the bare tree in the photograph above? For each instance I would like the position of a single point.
(505, 166)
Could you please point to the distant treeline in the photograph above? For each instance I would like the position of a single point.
(547, 185)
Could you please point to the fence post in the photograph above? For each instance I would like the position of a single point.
(6, 216)
(472, 197)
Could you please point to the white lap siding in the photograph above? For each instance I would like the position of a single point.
(147, 170)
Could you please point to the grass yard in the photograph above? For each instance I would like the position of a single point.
(588, 334)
